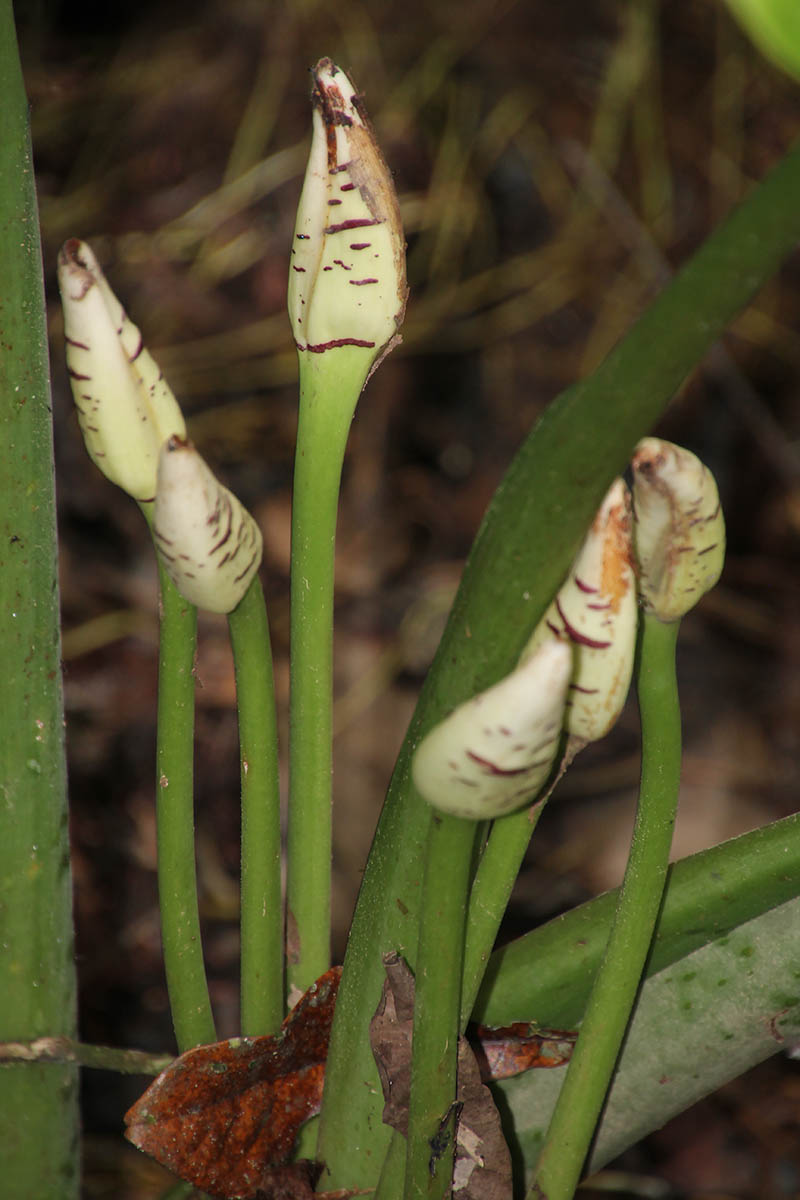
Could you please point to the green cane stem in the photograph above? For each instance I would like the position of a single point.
(177, 878)
(261, 909)
(591, 1068)
(330, 384)
(437, 1007)
(39, 1124)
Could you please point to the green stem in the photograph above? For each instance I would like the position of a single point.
(491, 890)
(38, 1104)
(437, 1007)
(330, 385)
(177, 877)
(393, 1169)
(591, 1068)
(261, 910)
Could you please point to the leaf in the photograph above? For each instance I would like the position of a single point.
(698, 1023)
(548, 973)
(225, 1117)
(508, 1051)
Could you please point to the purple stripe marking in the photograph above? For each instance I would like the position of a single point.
(354, 223)
(579, 638)
(321, 347)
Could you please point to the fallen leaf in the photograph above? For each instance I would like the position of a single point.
(512, 1049)
(225, 1117)
(482, 1168)
(390, 1038)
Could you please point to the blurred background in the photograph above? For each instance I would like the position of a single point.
(554, 164)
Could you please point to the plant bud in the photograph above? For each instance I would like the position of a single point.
(125, 407)
(208, 541)
(493, 753)
(595, 613)
(347, 279)
(679, 530)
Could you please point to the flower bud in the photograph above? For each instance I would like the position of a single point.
(347, 279)
(595, 613)
(679, 530)
(208, 541)
(493, 753)
(125, 407)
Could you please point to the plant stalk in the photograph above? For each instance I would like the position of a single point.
(592, 1065)
(177, 876)
(437, 1007)
(330, 385)
(495, 877)
(261, 909)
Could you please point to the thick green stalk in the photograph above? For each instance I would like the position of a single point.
(521, 554)
(592, 1065)
(491, 891)
(330, 385)
(261, 909)
(38, 1103)
(177, 875)
(437, 1008)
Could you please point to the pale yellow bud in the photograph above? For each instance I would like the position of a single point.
(347, 278)
(679, 531)
(125, 407)
(493, 753)
(208, 541)
(595, 613)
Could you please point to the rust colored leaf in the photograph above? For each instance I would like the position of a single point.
(483, 1164)
(225, 1117)
(512, 1049)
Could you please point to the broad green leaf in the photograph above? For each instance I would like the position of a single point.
(699, 1023)
(547, 974)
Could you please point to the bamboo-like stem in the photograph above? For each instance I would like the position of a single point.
(592, 1065)
(330, 385)
(38, 1104)
(177, 876)
(261, 910)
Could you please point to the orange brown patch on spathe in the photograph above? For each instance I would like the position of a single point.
(617, 557)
